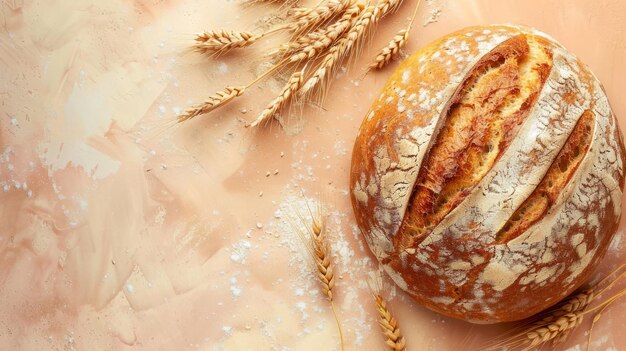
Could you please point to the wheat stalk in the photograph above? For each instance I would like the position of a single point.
(222, 41)
(368, 18)
(292, 86)
(221, 98)
(312, 44)
(339, 50)
(390, 326)
(304, 18)
(332, 30)
(214, 101)
(319, 248)
(388, 323)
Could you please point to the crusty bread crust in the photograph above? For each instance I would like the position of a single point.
(487, 177)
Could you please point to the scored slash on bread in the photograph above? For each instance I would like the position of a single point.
(487, 177)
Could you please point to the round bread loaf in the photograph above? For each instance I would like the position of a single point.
(487, 178)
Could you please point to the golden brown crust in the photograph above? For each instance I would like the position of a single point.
(559, 173)
(475, 132)
(488, 173)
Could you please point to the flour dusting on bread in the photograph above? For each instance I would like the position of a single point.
(488, 173)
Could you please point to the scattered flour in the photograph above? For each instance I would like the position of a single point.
(228, 330)
(235, 289)
(222, 67)
(434, 11)
(240, 250)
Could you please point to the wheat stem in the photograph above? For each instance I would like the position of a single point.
(610, 285)
(596, 318)
(608, 302)
(332, 306)
(593, 323)
(611, 273)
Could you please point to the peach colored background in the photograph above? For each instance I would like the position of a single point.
(119, 230)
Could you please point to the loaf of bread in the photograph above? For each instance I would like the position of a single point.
(487, 177)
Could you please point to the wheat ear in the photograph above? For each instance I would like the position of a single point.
(317, 245)
(573, 304)
(307, 18)
(321, 255)
(222, 41)
(388, 323)
(292, 86)
(549, 325)
(339, 50)
(369, 18)
(390, 326)
(312, 44)
(223, 97)
(550, 331)
(214, 101)
(392, 49)
(291, 47)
